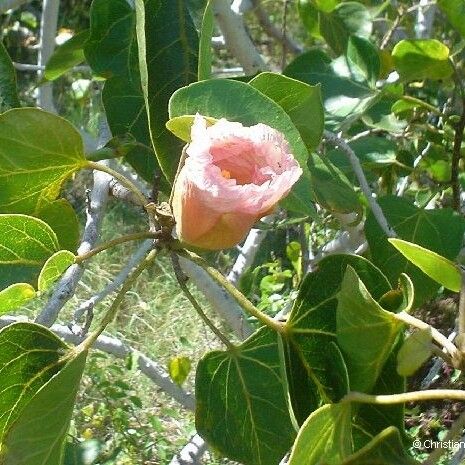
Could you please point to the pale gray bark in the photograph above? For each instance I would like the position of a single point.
(191, 453)
(336, 141)
(48, 32)
(237, 38)
(219, 299)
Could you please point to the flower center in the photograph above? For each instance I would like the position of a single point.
(239, 160)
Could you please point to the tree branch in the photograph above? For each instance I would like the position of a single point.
(117, 282)
(336, 141)
(247, 255)
(66, 287)
(220, 300)
(48, 30)
(272, 30)
(237, 38)
(191, 453)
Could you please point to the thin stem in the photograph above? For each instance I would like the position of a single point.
(414, 396)
(454, 431)
(119, 240)
(182, 279)
(236, 294)
(456, 155)
(113, 310)
(421, 103)
(336, 141)
(461, 318)
(142, 200)
(436, 335)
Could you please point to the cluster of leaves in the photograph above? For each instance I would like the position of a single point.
(281, 389)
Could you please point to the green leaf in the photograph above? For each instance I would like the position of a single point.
(66, 56)
(427, 228)
(432, 264)
(62, 218)
(300, 200)
(8, 88)
(416, 349)
(205, 44)
(375, 154)
(348, 18)
(25, 240)
(366, 332)
(374, 417)
(33, 167)
(83, 453)
(168, 49)
(455, 12)
(326, 5)
(179, 369)
(344, 99)
(238, 101)
(332, 190)
(309, 15)
(316, 376)
(385, 449)
(54, 267)
(363, 55)
(112, 52)
(420, 59)
(241, 408)
(180, 126)
(325, 437)
(15, 296)
(300, 101)
(30, 357)
(25, 442)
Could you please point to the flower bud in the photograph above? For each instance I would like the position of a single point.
(233, 176)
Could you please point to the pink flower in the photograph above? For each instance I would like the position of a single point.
(233, 176)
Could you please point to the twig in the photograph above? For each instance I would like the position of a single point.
(35, 68)
(220, 300)
(283, 34)
(118, 281)
(461, 317)
(390, 32)
(413, 396)
(436, 335)
(272, 30)
(238, 296)
(143, 201)
(113, 310)
(191, 453)
(456, 156)
(48, 30)
(357, 167)
(425, 19)
(236, 37)
(114, 242)
(66, 287)
(181, 277)
(115, 347)
(438, 363)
